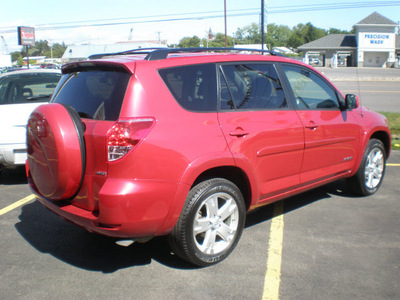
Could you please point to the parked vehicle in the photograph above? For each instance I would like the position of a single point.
(314, 61)
(20, 92)
(183, 143)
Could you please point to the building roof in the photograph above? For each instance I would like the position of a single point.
(376, 19)
(79, 52)
(332, 41)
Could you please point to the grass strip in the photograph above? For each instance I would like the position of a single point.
(394, 125)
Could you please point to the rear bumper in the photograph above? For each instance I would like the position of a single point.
(134, 208)
(12, 154)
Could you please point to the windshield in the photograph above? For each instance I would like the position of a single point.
(94, 94)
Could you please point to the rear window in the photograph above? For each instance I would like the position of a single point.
(194, 87)
(94, 94)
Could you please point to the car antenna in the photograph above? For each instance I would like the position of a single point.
(359, 91)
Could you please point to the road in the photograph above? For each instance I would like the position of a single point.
(333, 246)
(376, 95)
(378, 89)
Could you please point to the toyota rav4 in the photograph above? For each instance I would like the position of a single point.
(185, 142)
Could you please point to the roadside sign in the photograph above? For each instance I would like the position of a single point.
(26, 36)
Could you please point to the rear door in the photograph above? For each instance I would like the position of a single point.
(264, 134)
(96, 93)
(331, 134)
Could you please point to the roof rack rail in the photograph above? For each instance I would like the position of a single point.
(133, 51)
(162, 53)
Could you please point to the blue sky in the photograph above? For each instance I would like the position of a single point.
(139, 16)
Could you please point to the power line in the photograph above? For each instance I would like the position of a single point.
(206, 15)
(331, 6)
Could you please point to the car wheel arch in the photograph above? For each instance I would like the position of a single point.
(384, 138)
(203, 169)
(379, 134)
(223, 166)
(233, 174)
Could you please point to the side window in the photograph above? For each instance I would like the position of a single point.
(310, 91)
(251, 87)
(194, 87)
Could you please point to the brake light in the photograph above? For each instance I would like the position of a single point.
(125, 135)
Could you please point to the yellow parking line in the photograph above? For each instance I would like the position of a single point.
(393, 165)
(273, 275)
(16, 204)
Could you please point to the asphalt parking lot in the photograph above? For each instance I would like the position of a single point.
(332, 246)
(323, 244)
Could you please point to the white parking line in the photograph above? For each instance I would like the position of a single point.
(273, 275)
(16, 204)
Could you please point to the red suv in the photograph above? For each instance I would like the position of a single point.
(183, 143)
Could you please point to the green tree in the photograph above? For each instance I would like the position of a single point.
(335, 31)
(20, 61)
(250, 34)
(188, 42)
(277, 35)
(15, 55)
(314, 33)
(42, 48)
(56, 50)
(305, 33)
(219, 41)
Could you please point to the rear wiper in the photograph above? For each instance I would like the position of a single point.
(38, 97)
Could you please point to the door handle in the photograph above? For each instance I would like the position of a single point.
(312, 125)
(239, 132)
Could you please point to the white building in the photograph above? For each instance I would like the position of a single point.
(82, 52)
(376, 41)
(5, 61)
(375, 44)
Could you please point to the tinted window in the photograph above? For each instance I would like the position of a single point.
(251, 86)
(193, 87)
(310, 90)
(28, 87)
(94, 94)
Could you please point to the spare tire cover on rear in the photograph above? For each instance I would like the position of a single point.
(56, 151)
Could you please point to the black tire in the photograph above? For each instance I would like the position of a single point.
(206, 234)
(372, 169)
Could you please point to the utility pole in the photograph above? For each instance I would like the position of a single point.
(159, 37)
(262, 24)
(263, 11)
(226, 39)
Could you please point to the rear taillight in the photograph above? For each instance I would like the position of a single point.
(125, 135)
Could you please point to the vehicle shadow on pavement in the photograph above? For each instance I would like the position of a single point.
(14, 175)
(265, 213)
(49, 234)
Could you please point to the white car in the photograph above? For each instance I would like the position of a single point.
(20, 93)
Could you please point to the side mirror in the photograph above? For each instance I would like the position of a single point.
(352, 101)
